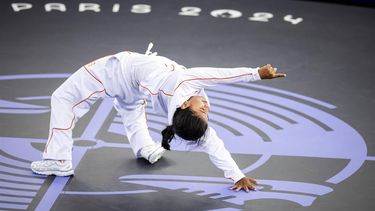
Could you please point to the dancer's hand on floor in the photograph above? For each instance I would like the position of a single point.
(269, 72)
(245, 184)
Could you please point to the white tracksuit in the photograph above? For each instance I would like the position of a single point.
(130, 78)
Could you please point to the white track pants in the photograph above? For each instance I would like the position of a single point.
(74, 98)
(135, 124)
(70, 102)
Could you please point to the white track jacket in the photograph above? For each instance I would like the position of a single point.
(132, 77)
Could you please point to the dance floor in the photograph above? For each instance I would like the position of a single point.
(308, 138)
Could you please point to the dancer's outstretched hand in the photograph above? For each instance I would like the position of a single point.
(245, 184)
(269, 72)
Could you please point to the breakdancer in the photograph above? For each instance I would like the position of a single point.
(130, 79)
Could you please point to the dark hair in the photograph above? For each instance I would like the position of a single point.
(186, 125)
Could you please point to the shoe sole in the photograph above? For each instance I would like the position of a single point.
(57, 173)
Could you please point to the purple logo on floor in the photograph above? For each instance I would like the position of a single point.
(251, 119)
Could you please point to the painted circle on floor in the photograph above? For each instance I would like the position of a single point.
(260, 121)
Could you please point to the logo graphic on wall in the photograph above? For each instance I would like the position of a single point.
(252, 119)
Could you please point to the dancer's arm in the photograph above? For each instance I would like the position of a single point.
(222, 159)
(200, 77)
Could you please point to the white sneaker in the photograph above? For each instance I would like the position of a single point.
(152, 153)
(53, 167)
